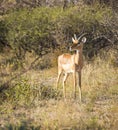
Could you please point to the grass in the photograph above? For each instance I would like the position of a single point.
(32, 102)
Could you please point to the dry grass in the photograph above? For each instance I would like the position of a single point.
(48, 111)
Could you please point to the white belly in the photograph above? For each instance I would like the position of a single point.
(67, 68)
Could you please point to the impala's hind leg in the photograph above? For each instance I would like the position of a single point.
(74, 82)
(58, 78)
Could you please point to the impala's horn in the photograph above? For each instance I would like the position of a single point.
(75, 36)
(82, 36)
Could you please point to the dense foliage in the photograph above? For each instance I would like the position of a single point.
(43, 29)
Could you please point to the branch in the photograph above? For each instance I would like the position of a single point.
(103, 36)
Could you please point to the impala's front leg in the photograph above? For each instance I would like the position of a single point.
(64, 80)
(80, 93)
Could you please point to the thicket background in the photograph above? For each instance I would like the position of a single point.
(30, 26)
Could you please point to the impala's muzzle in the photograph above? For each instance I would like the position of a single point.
(70, 48)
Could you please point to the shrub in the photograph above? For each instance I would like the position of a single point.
(19, 93)
(42, 29)
(24, 93)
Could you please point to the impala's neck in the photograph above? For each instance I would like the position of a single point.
(79, 58)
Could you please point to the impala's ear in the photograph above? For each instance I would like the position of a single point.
(73, 40)
(84, 39)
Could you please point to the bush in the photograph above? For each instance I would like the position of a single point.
(24, 93)
(18, 93)
(42, 29)
(29, 30)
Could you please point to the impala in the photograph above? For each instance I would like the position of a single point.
(68, 63)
